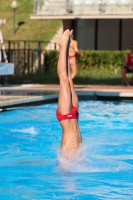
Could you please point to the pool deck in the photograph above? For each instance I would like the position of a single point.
(23, 95)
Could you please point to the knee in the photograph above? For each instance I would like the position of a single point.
(70, 78)
(75, 69)
(123, 71)
(64, 79)
(73, 74)
(62, 75)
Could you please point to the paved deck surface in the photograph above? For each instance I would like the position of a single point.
(12, 96)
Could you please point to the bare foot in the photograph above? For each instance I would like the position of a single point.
(65, 38)
(71, 34)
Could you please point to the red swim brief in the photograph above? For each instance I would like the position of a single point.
(70, 57)
(72, 115)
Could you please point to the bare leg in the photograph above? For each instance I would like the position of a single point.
(65, 98)
(73, 67)
(131, 79)
(123, 73)
(74, 95)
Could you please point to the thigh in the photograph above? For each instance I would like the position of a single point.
(65, 99)
(73, 64)
(74, 95)
(126, 69)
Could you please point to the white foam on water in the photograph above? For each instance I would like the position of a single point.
(31, 130)
(86, 161)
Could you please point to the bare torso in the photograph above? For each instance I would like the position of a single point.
(71, 138)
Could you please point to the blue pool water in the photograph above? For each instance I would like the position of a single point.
(29, 145)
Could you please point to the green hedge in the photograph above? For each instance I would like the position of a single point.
(50, 60)
(91, 59)
(94, 68)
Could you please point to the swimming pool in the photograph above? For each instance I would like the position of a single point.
(29, 144)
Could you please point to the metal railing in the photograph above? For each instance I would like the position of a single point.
(27, 56)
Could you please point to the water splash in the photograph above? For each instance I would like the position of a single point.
(90, 162)
(30, 130)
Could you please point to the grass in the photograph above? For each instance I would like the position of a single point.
(28, 29)
(99, 77)
(84, 77)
